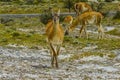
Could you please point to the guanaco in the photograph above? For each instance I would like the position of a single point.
(86, 18)
(68, 21)
(82, 7)
(55, 36)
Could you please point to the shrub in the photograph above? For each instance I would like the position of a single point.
(45, 16)
(15, 34)
(109, 0)
(114, 32)
(68, 4)
(117, 15)
(5, 20)
(5, 0)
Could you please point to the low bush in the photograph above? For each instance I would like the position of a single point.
(117, 15)
(45, 17)
(15, 34)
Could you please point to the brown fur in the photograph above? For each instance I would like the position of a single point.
(86, 18)
(82, 7)
(68, 19)
(55, 35)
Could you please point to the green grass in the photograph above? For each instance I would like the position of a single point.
(115, 32)
(13, 36)
(77, 56)
(110, 6)
(24, 22)
(27, 9)
(10, 33)
(106, 44)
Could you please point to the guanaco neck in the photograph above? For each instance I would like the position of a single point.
(55, 26)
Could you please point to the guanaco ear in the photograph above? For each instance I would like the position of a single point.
(58, 12)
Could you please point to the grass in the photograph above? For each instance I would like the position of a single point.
(20, 9)
(24, 22)
(115, 32)
(106, 44)
(21, 38)
(30, 9)
(28, 36)
(110, 6)
(103, 44)
(77, 56)
(10, 34)
(26, 9)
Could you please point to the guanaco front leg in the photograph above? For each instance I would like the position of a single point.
(56, 62)
(81, 31)
(85, 31)
(52, 55)
(100, 31)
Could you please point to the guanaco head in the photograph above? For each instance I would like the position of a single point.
(67, 22)
(68, 19)
(72, 26)
(55, 16)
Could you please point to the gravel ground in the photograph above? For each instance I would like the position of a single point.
(29, 64)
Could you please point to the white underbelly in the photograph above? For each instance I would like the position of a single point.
(91, 21)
